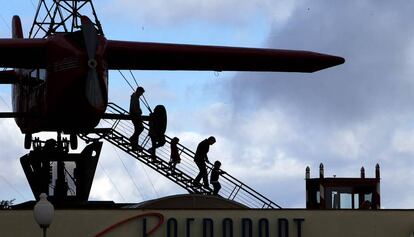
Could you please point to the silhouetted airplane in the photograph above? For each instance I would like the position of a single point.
(70, 91)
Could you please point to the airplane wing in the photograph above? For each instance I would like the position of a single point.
(8, 77)
(23, 53)
(160, 56)
(32, 53)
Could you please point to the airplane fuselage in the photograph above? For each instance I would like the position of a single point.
(57, 96)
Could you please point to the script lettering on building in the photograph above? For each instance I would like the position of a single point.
(156, 224)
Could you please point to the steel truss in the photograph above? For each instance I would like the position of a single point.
(62, 16)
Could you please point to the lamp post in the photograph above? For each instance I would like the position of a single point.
(43, 213)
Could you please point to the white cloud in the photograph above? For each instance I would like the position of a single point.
(345, 144)
(403, 141)
(266, 167)
(214, 11)
(357, 114)
(267, 125)
(102, 189)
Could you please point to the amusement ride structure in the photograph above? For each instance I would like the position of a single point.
(60, 84)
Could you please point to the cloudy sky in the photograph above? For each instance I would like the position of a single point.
(271, 124)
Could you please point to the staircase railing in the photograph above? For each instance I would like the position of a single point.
(186, 170)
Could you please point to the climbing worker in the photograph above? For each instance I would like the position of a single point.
(200, 158)
(175, 155)
(214, 177)
(136, 113)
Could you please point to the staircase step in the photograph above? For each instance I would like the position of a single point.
(120, 140)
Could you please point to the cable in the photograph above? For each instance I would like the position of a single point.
(17, 191)
(129, 174)
(33, 4)
(130, 71)
(73, 181)
(70, 176)
(8, 183)
(142, 166)
(142, 98)
(145, 102)
(126, 80)
(5, 22)
(4, 101)
(146, 174)
(113, 184)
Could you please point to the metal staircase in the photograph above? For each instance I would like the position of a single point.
(120, 130)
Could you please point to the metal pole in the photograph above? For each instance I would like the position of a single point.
(44, 231)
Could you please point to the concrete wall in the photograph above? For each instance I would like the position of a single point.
(328, 223)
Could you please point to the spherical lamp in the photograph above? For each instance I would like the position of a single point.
(43, 213)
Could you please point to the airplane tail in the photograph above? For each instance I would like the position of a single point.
(23, 53)
(10, 76)
(17, 30)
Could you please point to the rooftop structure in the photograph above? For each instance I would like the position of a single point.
(343, 193)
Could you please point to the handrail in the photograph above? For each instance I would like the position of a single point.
(243, 193)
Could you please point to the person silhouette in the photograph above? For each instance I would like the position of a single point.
(157, 139)
(175, 155)
(200, 158)
(136, 113)
(214, 177)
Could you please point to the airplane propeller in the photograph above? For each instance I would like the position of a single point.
(93, 87)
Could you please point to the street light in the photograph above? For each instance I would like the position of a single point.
(43, 213)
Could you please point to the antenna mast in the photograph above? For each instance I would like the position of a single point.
(62, 16)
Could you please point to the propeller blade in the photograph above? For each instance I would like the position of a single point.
(93, 90)
(93, 87)
(90, 36)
